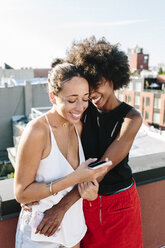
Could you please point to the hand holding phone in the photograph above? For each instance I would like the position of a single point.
(98, 164)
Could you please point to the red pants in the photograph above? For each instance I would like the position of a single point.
(113, 221)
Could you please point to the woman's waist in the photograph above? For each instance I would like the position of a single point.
(110, 188)
(115, 196)
(51, 200)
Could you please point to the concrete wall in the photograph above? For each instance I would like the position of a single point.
(18, 100)
(11, 103)
(40, 96)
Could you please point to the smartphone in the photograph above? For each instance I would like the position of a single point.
(98, 164)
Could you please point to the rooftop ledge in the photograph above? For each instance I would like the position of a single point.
(146, 169)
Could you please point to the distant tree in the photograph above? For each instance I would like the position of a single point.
(160, 72)
(134, 74)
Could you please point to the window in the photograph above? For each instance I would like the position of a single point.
(137, 100)
(157, 103)
(146, 59)
(146, 116)
(147, 101)
(129, 99)
(138, 86)
(156, 118)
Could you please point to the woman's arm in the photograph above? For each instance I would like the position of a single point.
(121, 146)
(31, 150)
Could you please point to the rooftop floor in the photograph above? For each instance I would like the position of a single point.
(148, 141)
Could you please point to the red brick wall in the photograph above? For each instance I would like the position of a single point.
(41, 73)
(137, 62)
(129, 97)
(7, 233)
(162, 111)
(140, 62)
(153, 214)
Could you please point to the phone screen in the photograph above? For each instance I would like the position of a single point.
(95, 164)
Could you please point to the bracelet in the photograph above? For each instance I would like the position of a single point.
(50, 188)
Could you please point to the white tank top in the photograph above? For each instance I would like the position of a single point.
(73, 227)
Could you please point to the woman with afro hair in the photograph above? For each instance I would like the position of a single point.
(109, 128)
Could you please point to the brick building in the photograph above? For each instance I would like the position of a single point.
(151, 103)
(138, 60)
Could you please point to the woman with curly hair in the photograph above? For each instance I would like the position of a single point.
(109, 128)
(50, 161)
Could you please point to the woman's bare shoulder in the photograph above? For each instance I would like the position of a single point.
(36, 128)
(135, 115)
(132, 121)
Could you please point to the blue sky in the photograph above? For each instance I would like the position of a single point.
(33, 32)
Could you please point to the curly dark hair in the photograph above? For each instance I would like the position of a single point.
(60, 73)
(98, 59)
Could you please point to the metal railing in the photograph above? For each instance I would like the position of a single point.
(36, 112)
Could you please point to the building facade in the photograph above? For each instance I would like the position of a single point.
(151, 103)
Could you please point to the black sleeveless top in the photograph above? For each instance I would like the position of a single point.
(100, 128)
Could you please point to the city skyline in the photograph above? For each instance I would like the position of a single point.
(34, 32)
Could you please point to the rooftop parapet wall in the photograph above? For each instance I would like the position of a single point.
(149, 173)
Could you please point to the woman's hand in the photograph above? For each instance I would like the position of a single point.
(86, 174)
(88, 190)
(51, 221)
(28, 206)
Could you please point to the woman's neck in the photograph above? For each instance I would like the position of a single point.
(112, 103)
(57, 121)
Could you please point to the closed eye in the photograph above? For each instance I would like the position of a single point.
(73, 101)
(86, 100)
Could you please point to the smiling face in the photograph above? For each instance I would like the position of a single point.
(103, 96)
(72, 100)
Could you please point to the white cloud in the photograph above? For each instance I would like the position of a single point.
(100, 24)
